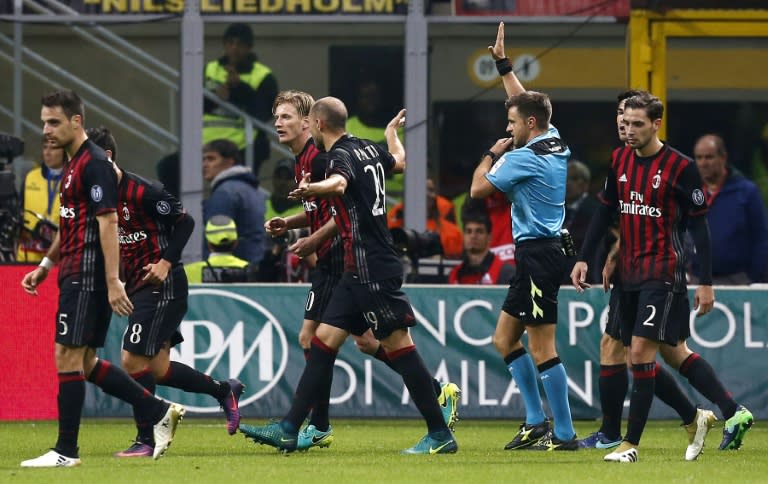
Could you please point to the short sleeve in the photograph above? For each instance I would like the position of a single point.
(511, 168)
(100, 180)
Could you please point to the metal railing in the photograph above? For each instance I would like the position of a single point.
(152, 67)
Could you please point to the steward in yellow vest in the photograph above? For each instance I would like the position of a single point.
(240, 79)
(221, 265)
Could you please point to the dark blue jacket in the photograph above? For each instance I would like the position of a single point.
(739, 228)
(235, 193)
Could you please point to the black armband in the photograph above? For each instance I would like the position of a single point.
(493, 156)
(504, 66)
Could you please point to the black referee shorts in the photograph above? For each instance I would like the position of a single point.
(532, 294)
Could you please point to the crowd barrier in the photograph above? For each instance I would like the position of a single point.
(251, 331)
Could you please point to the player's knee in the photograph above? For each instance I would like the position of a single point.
(541, 352)
(612, 351)
(305, 339)
(69, 358)
(674, 356)
(505, 344)
(367, 346)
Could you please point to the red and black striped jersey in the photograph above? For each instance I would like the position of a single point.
(330, 255)
(147, 214)
(361, 213)
(655, 196)
(88, 189)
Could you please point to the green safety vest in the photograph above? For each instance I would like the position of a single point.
(217, 262)
(271, 212)
(395, 185)
(219, 124)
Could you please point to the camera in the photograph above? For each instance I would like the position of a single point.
(10, 148)
(417, 249)
(10, 211)
(416, 245)
(293, 235)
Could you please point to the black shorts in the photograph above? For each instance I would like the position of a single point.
(655, 314)
(154, 321)
(383, 305)
(532, 294)
(83, 316)
(319, 295)
(613, 326)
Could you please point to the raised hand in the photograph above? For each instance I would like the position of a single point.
(497, 49)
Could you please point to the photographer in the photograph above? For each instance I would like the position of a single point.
(281, 265)
(41, 205)
(221, 265)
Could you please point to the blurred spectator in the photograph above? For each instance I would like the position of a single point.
(283, 182)
(580, 206)
(235, 193)
(279, 264)
(240, 79)
(497, 209)
(368, 122)
(40, 199)
(221, 265)
(441, 218)
(479, 265)
(737, 218)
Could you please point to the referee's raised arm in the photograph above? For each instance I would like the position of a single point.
(512, 85)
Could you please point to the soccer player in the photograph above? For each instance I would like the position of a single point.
(370, 284)
(291, 110)
(614, 381)
(87, 248)
(154, 228)
(533, 178)
(657, 192)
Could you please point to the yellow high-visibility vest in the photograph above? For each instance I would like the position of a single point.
(220, 124)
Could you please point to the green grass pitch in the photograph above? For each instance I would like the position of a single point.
(367, 451)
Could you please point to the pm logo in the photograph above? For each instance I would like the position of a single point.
(228, 335)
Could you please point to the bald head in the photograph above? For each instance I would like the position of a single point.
(711, 158)
(332, 111)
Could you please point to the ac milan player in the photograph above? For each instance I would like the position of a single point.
(291, 110)
(657, 192)
(89, 283)
(614, 360)
(370, 284)
(153, 230)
